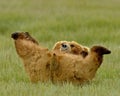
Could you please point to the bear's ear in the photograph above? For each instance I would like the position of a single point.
(100, 50)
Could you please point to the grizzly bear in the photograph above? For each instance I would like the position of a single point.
(44, 65)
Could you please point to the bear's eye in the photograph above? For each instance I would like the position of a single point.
(72, 45)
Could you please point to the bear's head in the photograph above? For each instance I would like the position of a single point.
(71, 47)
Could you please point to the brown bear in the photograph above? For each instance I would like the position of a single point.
(44, 65)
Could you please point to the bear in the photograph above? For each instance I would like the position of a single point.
(45, 65)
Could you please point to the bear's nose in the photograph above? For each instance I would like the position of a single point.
(14, 35)
(64, 46)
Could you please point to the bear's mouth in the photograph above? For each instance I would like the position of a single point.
(14, 35)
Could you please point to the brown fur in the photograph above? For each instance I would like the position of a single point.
(75, 69)
(44, 65)
(35, 58)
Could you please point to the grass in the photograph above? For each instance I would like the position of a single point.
(88, 22)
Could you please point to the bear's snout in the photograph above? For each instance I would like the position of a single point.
(14, 35)
(64, 45)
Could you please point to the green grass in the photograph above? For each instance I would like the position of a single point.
(88, 22)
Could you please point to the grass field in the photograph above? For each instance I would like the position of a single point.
(88, 22)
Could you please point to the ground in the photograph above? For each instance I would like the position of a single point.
(88, 22)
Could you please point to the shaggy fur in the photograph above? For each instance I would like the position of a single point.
(44, 65)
